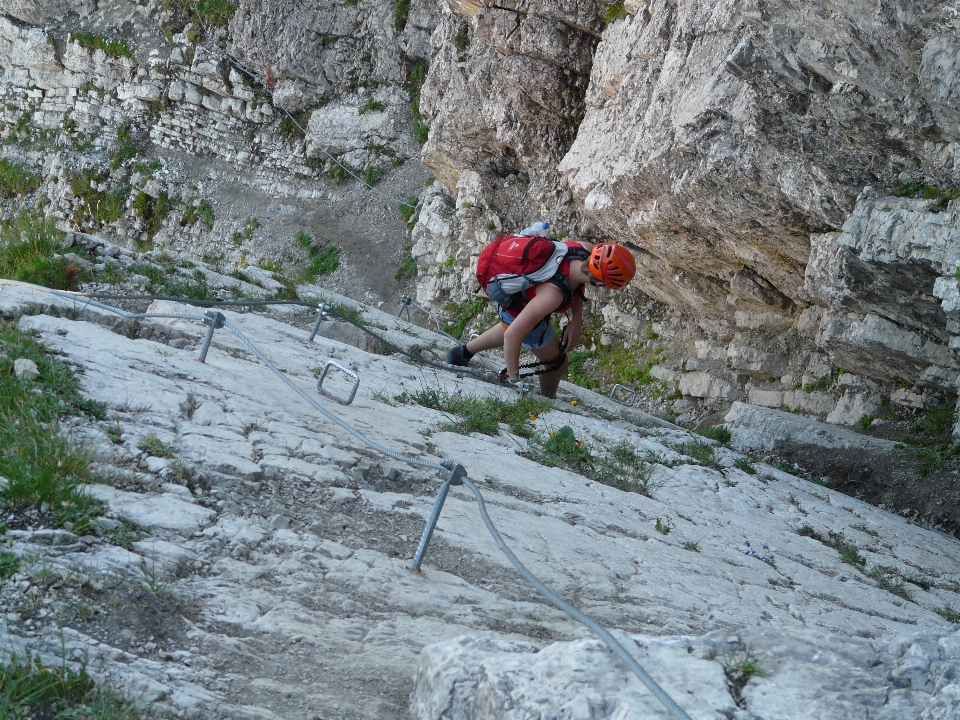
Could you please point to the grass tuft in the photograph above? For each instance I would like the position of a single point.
(154, 446)
(321, 262)
(202, 213)
(715, 432)
(30, 690)
(616, 11)
(41, 464)
(216, 12)
(479, 414)
(27, 244)
(115, 48)
(16, 180)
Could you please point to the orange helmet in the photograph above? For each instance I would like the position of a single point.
(612, 264)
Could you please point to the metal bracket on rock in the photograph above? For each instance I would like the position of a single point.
(631, 394)
(341, 368)
(216, 319)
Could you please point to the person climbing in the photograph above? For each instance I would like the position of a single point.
(527, 291)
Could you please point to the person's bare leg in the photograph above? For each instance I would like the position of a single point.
(491, 338)
(549, 382)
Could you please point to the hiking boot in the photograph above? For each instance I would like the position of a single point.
(459, 356)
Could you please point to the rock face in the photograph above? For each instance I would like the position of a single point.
(174, 135)
(807, 674)
(748, 153)
(506, 87)
(753, 125)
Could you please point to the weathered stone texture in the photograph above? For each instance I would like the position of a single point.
(719, 137)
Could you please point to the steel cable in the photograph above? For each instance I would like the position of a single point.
(346, 426)
(553, 597)
(580, 617)
(344, 318)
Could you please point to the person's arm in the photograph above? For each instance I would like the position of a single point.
(547, 300)
(571, 336)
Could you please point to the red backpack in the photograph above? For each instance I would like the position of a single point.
(513, 263)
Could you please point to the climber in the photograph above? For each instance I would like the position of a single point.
(525, 307)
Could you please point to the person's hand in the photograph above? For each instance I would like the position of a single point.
(571, 337)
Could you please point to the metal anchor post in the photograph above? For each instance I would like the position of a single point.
(457, 472)
(404, 305)
(321, 316)
(217, 320)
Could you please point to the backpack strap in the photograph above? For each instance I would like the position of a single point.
(562, 282)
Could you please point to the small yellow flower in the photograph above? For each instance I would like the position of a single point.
(573, 402)
(533, 418)
(580, 444)
(552, 433)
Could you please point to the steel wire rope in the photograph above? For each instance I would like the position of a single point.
(344, 318)
(256, 78)
(342, 423)
(553, 597)
(598, 629)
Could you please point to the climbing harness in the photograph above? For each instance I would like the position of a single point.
(549, 366)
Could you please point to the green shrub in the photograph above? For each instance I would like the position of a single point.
(890, 580)
(152, 211)
(562, 449)
(747, 465)
(113, 48)
(373, 175)
(55, 273)
(371, 106)
(408, 211)
(918, 189)
(39, 462)
(336, 172)
(401, 9)
(16, 180)
(616, 11)
(408, 266)
(154, 446)
(125, 148)
(202, 213)
(479, 414)
(323, 262)
(715, 432)
(100, 206)
(216, 12)
(9, 564)
(702, 453)
(462, 315)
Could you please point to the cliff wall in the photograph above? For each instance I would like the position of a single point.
(783, 172)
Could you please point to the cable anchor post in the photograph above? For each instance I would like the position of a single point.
(405, 301)
(321, 316)
(457, 473)
(216, 320)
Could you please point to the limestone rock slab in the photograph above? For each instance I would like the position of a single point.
(758, 428)
(164, 512)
